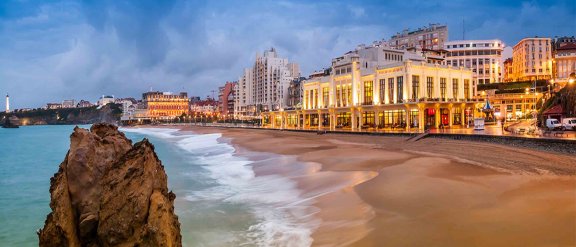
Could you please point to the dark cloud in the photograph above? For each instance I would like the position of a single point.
(52, 50)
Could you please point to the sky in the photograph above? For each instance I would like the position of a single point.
(55, 50)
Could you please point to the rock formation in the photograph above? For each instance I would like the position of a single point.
(110, 193)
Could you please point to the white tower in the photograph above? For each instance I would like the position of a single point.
(7, 103)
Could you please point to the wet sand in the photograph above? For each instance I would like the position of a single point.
(428, 193)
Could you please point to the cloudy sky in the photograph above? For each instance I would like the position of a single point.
(55, 50)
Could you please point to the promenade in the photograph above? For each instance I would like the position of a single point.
(523, 129)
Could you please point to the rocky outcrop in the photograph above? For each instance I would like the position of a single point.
(110, 193)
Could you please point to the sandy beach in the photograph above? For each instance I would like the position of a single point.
(431, 192)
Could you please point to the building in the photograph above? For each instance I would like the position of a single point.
(431, 37)
(295, 93)
(483, 57)
(558, 42)
(68, 103)
(378, 87)
(165, 105)
(7, 103)
(513, 106)
(264, 87)
(83, 104)
(226, 99)
(207, 107)
(532, 59)
(508, 70)
(105, 99)
(565, 62)
(51, 106)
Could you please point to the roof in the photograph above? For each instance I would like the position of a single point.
(557, 109)
(567, 46)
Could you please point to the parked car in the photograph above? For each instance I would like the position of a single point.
(553, 124)
(569, 123)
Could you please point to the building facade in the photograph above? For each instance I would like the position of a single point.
(565, 62)
(68, 103)
(512, 106)
(483, 57)
(382, 88)
(431, 37)
(508, 70)
(165, 105)
(264, 87)
(532, 59)
(226, 96)
(105, 99)
(83, 104)
(295, 93)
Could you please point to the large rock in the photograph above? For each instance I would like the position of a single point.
(110, 193)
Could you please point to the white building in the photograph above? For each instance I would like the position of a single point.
(265, 86)
(378, 87)
(483, 57)
(68, 103)
(105, 99)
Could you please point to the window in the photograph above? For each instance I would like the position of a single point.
(429, 86)
(325, 94)
(382, 90)
(400, 84)
(443, 88)
(368, 92)
(415, 87)
(455, 88)
(466, 89)
(391, 90)
(338, 96)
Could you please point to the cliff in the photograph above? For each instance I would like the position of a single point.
(110, 193)
(87, 115)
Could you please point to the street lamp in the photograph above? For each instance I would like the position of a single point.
(571, 81)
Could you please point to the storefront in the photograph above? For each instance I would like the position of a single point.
(456, 116)
(393, 119)
(343, 119)
(430, 117)
(368, 119)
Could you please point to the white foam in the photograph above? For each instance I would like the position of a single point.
(285, 218)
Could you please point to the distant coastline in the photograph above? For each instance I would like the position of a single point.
(86, 115)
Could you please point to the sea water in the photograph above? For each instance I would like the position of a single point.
(220, 199)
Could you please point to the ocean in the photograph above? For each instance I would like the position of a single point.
(221, 201)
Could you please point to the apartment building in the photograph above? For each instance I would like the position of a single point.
(264, 87)
(532, 59)
(483, 57)
(431, 37)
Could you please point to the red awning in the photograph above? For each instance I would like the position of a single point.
(555, 110)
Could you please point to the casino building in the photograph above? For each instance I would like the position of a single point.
(379, 88)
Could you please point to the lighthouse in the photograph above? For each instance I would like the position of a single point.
(7, 103)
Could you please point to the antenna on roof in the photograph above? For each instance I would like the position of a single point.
(463, 30)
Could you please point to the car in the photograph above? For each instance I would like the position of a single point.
(553, 124)
(569, 123)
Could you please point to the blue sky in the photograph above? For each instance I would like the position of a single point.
(55, 50)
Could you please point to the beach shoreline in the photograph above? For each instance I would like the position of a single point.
(432, 192)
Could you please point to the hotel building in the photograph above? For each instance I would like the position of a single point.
(483, 57)
(532, 59)
(378, 87)
(264, 87)
(165, 105)
(431, 37)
